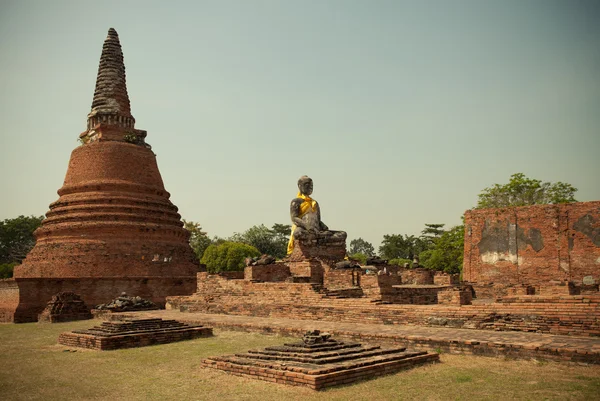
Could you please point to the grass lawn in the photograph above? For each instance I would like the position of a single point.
(35, 367)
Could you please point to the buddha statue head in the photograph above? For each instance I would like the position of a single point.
(305, 185)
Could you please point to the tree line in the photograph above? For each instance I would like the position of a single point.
(437, 248)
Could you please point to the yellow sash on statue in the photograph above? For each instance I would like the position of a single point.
(309, 204)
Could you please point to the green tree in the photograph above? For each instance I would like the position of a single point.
(16, 238)
(447, 253)
(397, 246)
(431, 233)
(359, 257)
(523, 191)
(268, 241)
(359, 245)
(199, 241)
(6, 270)
(282, 231)
(400, 262)
(228, 256)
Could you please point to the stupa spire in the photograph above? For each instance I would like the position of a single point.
(111, 101)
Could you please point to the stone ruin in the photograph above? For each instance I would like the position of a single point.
(319, 362)
(123, 303)
(317, 264)
(540, 250)
(113, 227)
(131, 333)
(65, 307)
(519, 279)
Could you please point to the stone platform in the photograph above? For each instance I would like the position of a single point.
(131, 333)
(319, 362)
(577, 315)
(512, 344)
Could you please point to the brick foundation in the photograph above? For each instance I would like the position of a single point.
(418, 276)
(272, 273)
(569, 315)
(455, 296)
(32, 295)
(335, 279)
(319, 366)
(132, 333)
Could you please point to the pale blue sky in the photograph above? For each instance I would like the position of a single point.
(401, 111)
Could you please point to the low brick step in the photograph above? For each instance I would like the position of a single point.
(299, 347)
(367, 352)
(313, 355)
(113, 328)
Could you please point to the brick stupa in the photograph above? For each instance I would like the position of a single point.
(113, 229)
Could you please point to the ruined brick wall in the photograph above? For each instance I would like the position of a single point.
(571, 315)
(239, 275)
(440, 278)
(341, 278)
(312, 270)
(376, 286)
(9, 300)
(412, 296)
(34, 294)
(273, 273)
(533, 245)
(455, 296)
(418, 276)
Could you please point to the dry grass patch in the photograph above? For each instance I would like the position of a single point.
(35, 367)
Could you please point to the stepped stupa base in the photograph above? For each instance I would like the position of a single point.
(319, 362)
(132, 333)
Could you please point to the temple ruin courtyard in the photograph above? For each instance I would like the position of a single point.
(36, 367)
(521, 321)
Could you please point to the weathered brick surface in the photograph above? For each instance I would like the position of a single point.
(533, 246)
(35, 293)
(417, 276)
(455, 296)
(65, 307)
(390, 288)
(413, 294)
(9, 300)
(440, 278)
(111, 221)
(375, 286)
(309, 270)
(513, 344)
(272, 273)
(131, 333)
(570, 315)
(307, 250)
(334, 279)
(319, 366)
(113, 228)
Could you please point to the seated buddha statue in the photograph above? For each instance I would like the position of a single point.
(306, 219)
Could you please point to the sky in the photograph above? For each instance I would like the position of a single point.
(400, 111)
